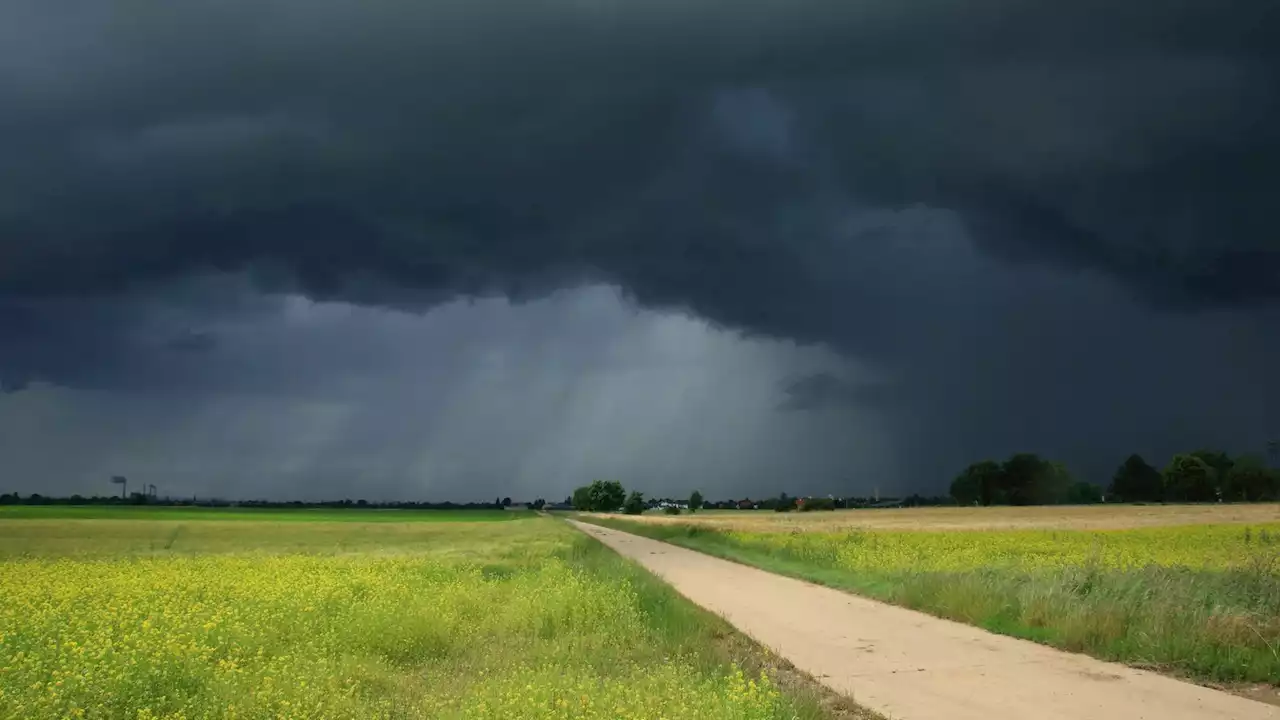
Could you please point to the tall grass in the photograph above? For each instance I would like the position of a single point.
(1200, 601)
(514, 620)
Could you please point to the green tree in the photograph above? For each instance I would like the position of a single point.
(1221, 464)
(1136, 481)
(1022, 474)
(695, 501)
(981, 482)
(634, 504)
(966, 488)
(606, 495)
(582, 498)
(1084, 493)
(1188, 478)
(1054, 485)
(1250, 480)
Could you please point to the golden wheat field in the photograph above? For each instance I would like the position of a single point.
(146, 619)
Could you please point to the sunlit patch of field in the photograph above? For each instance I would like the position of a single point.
(186, 620)
(1082, 517)
(1143, 585)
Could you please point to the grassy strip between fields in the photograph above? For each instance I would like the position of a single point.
(508, 621)
(1219, 624)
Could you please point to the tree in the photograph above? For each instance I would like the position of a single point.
(1085, 493)
(981, 482)
(1188, 478)
(506, 502)
(599, 496)
(607, 495)
(1218, 460)
(1022, 475)
(695, 501)
(634, 504)
(1136, 481)
(1221, 464)
(1250, 480)
(1054, 485)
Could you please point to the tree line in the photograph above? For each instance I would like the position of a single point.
(1201, 476)
(611, 496)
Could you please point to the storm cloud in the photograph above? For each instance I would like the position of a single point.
(1017, 224)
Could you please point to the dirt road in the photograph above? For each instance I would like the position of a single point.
(911, 666)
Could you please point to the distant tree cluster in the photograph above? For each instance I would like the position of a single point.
(1201, 476)
(1023, 479)
(601, 496)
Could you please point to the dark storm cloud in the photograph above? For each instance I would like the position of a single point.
(992, 202)
(471, 146)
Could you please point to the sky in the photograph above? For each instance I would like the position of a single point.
(459, 249)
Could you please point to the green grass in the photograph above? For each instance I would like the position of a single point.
(242, 619)
(358, 515)
(1215, 623)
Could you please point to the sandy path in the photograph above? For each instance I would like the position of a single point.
(911, 666)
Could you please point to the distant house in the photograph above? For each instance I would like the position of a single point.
(746, 505)
(557, 506)
(517, 506)
(888, 504)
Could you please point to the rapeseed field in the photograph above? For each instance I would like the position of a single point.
(507, 621)
(1207, 547)
(1195, 600)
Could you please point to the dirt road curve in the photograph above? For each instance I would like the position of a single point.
(911, 666)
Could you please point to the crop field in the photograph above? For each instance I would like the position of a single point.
(1193, 591)
(172, 618)
(89, 512)
(1079, 517)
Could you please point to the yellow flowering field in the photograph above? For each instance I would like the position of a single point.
(488, 620)
(1194, 599)
(1190, 546)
